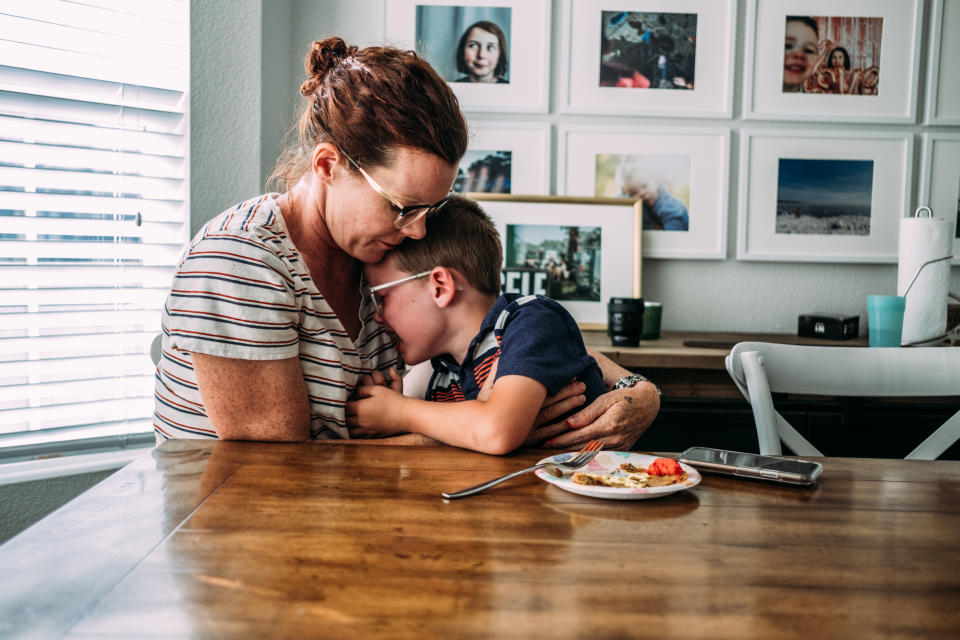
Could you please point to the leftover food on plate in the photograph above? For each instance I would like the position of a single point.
(661, 472)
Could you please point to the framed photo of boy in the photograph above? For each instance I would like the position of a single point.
(506, 157)
(943, 81)
(810, 197)
(679, 176)
(494, 53)
(852, 61)
(587, 250)
(649, 57)
(940, 181)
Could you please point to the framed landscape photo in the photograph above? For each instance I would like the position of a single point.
(494, 53)
(649, 57)
(506, 157)
(943, 80)
(940, 181)
(825, 60)
(679, 176)
(578, 251)
(816, 196)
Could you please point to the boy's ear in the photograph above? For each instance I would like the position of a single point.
(443, 287)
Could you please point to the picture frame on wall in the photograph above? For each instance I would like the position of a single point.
(494, 53)
(680, 176)
(506, 157)
(816, 196)
(578, 251)
(943, 81)
(649, 57)
(852, 61)
(940, 181)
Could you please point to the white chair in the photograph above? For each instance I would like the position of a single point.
(761, 368)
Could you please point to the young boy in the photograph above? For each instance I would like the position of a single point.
(495, 357)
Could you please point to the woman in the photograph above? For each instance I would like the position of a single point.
(482, 54)
(801, 52)
(265, 331)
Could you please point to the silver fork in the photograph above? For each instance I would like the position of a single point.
(575, 461)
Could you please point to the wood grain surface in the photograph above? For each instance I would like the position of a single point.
(253, 540)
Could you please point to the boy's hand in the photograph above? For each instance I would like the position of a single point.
(375, 411)
(377, 378)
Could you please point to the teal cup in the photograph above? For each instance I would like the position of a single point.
(885, 320)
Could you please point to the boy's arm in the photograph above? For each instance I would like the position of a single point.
(496, 426)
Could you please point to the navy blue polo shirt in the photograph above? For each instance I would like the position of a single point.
(531, 336)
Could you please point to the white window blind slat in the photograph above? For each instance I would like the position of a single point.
(93, 213)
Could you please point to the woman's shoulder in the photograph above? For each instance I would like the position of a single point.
(261, 212)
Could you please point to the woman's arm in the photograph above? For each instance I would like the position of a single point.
(617, 418)
(254, 399)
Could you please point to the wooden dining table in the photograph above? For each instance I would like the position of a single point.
(202, 539)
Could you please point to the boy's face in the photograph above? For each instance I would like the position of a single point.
(407, 309)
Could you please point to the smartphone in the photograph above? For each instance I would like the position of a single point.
(752, 465)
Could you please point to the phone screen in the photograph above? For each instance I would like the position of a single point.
(753, 465)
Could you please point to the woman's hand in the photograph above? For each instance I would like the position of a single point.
(617, 418)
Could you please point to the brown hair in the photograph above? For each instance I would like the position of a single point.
(460, 236)
(367, 102)
(489, 27)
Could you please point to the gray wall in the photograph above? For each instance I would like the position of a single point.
(236, 137)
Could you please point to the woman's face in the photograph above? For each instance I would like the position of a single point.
(836, 59)
(481, 53)
(361, 221)
(800, 55)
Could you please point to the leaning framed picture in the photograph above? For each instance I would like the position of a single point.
(943, 81)
(649, 57)
(578, 251)
(506, 157)
(820, 60)
(940, 180)
(817, 196)
(494, 53)
(679, 175)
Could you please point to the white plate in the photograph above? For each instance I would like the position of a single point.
(606, 462)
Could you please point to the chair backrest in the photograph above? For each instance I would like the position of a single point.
(760, 368)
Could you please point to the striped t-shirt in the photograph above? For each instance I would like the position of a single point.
(241, 291)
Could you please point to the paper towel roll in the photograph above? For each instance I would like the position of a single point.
(921, 240)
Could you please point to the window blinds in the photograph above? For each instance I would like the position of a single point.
(93, 214)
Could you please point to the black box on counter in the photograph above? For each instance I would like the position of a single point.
(828, 325)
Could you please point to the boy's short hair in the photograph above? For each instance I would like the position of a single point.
(460, 236)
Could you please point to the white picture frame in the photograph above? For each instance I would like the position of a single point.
(619, 223)
(763, 195)
(529, 145)
(940, 180)
(581, 152)
(528, 71)
(712, 95)
(943, 81)
(897, 73)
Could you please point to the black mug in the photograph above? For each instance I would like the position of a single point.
(625, 321)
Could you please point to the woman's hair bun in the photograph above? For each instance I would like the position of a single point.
(322, 57)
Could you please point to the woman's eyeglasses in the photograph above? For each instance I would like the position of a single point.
(378, 301)
(406, 215)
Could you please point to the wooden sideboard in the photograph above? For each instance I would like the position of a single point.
(691, 364)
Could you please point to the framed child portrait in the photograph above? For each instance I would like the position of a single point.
(943, 81)
(940, 181)
(494, 53)
(649, 57)
(680, 177)
(807, 196)
(506, 157)
(852, 61)
(578, 251)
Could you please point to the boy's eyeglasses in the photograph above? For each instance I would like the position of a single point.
(378, 301)
(406, 215)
